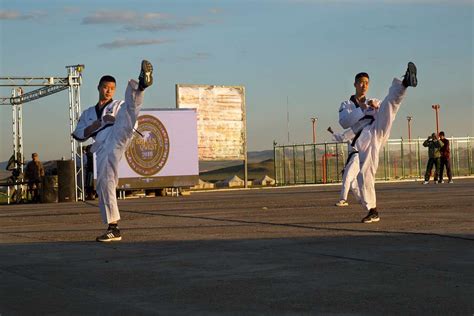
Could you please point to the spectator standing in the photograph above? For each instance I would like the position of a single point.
(445, 159)
(434, 145)
(34, 173)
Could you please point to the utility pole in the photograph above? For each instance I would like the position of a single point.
(409, 118)
(436, 108)
(313, 120)
(287, 120)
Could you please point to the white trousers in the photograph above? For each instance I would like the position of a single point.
(349, 178)
(110, 151)
(372, 139)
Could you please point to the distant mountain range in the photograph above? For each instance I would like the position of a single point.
(255, 170)
(252, 157)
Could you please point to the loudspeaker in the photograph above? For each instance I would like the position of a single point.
(66, 184)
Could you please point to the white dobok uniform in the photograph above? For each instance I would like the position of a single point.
(111, 141)
(351, 169)
(373, 134)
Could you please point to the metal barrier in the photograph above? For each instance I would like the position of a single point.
(399, 159)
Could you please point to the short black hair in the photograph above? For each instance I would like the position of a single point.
(361, 75)
(107, 78)
(441, 133)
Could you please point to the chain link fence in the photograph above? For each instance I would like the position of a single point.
(399, 159)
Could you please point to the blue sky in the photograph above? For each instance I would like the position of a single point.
(306, 50)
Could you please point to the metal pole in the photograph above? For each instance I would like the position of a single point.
(74, 82)
(245, 139)
(274, 163)
(418, 158)
(314, 163)
(436, 107)
(469, 156)
(337, 162)
(294, 164)
(287, 120)
(284, 164)
(409, 118)
(304, 163)
(313, 120)
(402, 158)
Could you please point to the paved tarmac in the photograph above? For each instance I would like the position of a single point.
(249, 252)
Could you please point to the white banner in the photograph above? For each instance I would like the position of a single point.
(164, 152)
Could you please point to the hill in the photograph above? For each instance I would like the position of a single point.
(255, 171)
(252, 157)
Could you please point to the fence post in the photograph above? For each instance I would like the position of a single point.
(469, 156)
(325, 163)
(304, 163)
(418, 157)
(457, 158)
(294, 164)
(274, 164)
(314, 163)
(284, 165)
(337, 162)
(402, 156)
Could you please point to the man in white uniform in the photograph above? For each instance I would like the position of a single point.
(372, 132)
(351, 168)
(110, 123)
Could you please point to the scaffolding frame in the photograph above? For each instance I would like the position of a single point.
(49, 86)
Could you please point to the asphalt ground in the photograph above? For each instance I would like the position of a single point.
(246, 252)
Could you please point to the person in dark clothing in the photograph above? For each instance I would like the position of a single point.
(445, 159)
(34, 173)
(434, 144)
(89, 168)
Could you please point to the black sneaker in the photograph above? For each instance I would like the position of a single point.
(146, 78)
(373, 216)
(110, 235)
(410, 80)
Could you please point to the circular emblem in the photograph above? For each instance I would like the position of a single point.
(148, 152)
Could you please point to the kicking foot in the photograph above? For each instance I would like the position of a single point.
(110, 235)
(409, 79)
(342, 203)
(372, 217)
(146, 75)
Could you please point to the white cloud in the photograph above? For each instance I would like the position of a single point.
(111, 17)
(122, 17)
(121, 43)
(153, 27)
(15, 15)
(135, 21)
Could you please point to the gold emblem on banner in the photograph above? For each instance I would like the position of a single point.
(147, 153)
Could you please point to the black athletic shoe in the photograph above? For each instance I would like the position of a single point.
(146, 75)
(410, 80)
(110, 235)
(373, 216)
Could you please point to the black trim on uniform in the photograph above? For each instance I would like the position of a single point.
(100, 111)
(354, 100)
(369, 117)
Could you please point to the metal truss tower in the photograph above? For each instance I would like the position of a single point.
(50, 85)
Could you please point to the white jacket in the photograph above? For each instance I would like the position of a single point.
(89, 116)
(351, 115)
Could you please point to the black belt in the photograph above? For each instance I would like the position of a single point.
(371, 118)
